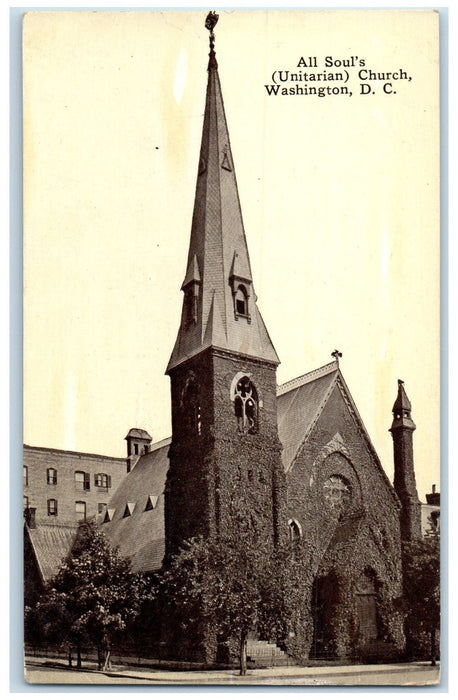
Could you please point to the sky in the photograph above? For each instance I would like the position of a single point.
(339, 195)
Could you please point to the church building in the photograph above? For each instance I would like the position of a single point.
(293, 461)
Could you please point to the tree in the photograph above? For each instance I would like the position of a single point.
(94, 595)
(422, 593)
(218, 585)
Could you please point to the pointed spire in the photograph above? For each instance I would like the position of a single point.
(402, 409)
(225, 313)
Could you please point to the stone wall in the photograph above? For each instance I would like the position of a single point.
(345, 541)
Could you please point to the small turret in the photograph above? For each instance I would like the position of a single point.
(138, 443)
(405, 485)
(402, 409)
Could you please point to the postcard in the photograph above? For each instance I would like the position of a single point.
(231, 347)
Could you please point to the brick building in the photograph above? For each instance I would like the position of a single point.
(64, 487)
(291, 461)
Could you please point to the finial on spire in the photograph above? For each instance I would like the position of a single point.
(336, 354)
(400, 382)
(210, 23)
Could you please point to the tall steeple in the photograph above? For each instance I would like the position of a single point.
(401, 430)
(219, 306)
(223, 366)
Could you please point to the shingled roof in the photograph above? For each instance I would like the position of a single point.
(299, 403)
(137, 511)
(51, 544)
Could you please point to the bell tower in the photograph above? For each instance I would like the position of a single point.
(225, 470)
(405, 486)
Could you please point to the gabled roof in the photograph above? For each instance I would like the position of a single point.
(299, 404)
(141, 536)
(51, 544)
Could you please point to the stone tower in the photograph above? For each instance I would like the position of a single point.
(404, 474)
(225, 465)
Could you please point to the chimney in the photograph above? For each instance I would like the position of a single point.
(433, 498)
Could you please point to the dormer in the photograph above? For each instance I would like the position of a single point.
(191, 288)
(241, 283)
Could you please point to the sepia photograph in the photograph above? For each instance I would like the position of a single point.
(231, 248)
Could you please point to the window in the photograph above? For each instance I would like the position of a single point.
(101, 507)
(25, 473)
(241, 301)
(82, 481)
(51, 475)
(136, 448)
(295, 530)
(102, 481)
(52, 506)
(246, 405)
(337, 493)
(80, 510)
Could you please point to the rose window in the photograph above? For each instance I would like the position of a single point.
(337, 492)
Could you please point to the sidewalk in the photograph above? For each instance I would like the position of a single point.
(391, 674)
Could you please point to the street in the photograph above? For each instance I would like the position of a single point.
(386, 675)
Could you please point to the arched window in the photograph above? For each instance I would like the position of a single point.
(241, 301)
(245, 399)
(295, 530)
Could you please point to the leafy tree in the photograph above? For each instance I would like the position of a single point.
(422, 594)
(93, 596)
(218, 585)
